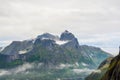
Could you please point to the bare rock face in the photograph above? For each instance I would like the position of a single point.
(67, 36)
(17, 46)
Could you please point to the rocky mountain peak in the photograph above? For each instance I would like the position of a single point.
(47, 49)
(45, 43)
(47, 36)
(66, 35)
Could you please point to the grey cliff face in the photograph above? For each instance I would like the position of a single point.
(67, 36)
(17, 46)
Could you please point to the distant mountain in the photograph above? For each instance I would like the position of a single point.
(52, 50)
(108, 70)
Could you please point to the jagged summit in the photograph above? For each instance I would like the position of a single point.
(66, 35)
(46, 54)
(46, 48)
(47, 36)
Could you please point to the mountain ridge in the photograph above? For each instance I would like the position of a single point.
(56, 50)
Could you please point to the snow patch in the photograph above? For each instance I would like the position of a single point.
(23, 51)
(44, 38)
(59, 42)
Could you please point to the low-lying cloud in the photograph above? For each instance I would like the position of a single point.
(23, 19)
(18, 69)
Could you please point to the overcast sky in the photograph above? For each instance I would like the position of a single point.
(94, 22)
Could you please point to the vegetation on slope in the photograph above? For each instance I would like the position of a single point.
(113, 72)
(97, 75)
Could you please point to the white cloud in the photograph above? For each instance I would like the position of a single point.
(83, 70)
(23, 68)
(22, 19)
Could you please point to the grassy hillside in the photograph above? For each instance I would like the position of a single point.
(113, 72)
(98, 74)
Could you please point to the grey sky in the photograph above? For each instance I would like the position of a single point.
(94, 22)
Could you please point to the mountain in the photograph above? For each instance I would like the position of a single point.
(49, 57)
(96, 54)
(47, 36)
(113, 71)
(98, 74)
(67, 36)
(52, 50)
(108, 70)
(18, 47)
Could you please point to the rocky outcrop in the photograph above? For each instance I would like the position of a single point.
(97, 74)
(67, 36)
(113, 72)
